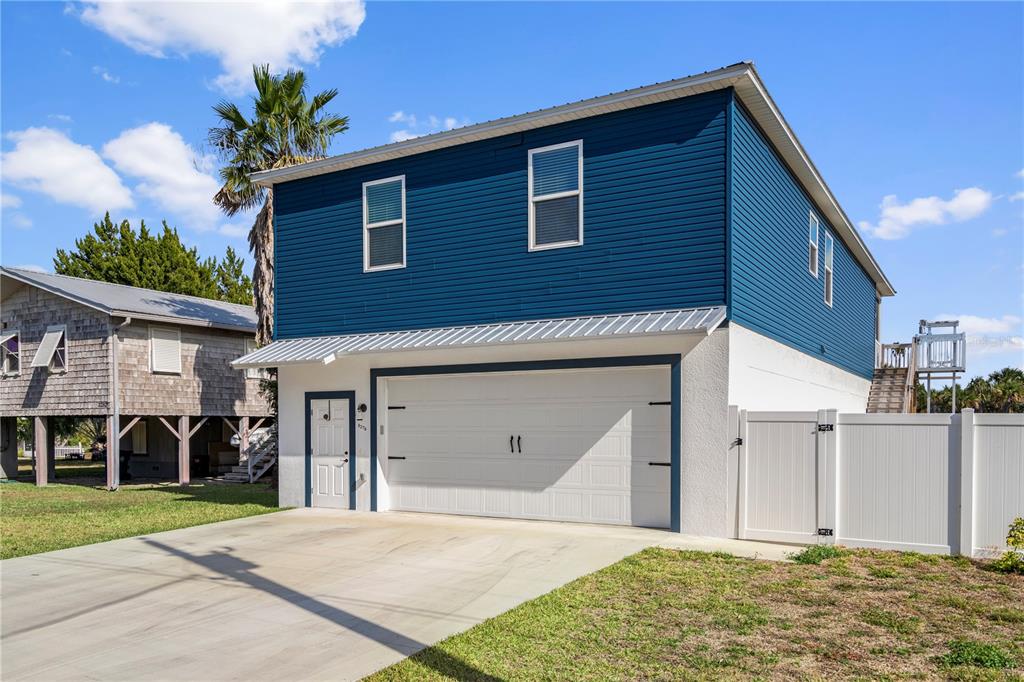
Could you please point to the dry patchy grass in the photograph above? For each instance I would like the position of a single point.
(664, 614)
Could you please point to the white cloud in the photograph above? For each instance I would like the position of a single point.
(1018, 196)
(31, 267)
(897, 220)
(415, 127)
(19, 221)
(63, 118)
(1000, 232)
(1020, 173)
(236, 230)
(9, 201)
(48, 161)
(169, 171)
(238, 34)
(991, 345)
(106, 75)
(975, 324)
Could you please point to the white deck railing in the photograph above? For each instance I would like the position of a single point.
(941, 352)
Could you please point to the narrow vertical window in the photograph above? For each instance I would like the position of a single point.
(165, 350)
(812, 245)
(254, 372)
(556, 196)
(384, 224)
(829, 248)
(53, 349)
(10, 353)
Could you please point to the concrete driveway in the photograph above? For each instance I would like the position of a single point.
(304, 594)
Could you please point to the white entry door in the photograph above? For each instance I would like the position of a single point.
(329, 430)
(581, 445)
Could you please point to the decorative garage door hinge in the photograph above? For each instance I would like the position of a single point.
(826, 532)
(826, 427)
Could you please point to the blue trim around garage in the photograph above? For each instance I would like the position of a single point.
(674, 362)
(332, 395)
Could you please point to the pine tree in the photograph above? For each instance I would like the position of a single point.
(118, 254)
(233, 284)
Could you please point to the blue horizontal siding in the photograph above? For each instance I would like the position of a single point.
(771, 290)
(654, 230)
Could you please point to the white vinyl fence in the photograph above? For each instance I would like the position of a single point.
(934, 483)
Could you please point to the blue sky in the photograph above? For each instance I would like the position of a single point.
(914, 113)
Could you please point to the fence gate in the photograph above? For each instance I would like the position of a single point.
(786, 476)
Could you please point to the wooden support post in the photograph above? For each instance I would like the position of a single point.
(113, 453)
(184, 458)
(243, 437)
(8, 447)
(39, 442)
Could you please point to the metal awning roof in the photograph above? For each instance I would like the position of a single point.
(325, 349)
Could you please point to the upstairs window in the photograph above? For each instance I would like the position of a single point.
(254, 372)
(53, 350)
(10, 353)
(384, 224)
(556, 196)
(812, 245)
(165, 350)
(829, 248)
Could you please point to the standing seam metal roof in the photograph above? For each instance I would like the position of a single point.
(327, 348)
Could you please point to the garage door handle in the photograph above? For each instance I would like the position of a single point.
(659, 464)
(390, 457)
(519, 442)
(511, 444)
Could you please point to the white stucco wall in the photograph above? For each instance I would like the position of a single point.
(767, 375)
(704, 408)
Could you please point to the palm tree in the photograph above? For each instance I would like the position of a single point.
(286, 128)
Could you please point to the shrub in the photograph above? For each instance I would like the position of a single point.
(815, 554)
(1013, 560)
(978, 654)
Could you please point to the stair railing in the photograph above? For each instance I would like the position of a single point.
(910, 387)
(265, 449)
(896, 356)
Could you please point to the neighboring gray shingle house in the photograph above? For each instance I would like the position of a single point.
(59, 338)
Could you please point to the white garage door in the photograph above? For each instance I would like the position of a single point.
(583, 445)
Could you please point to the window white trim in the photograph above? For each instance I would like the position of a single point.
(830, 277)
(367, 226)
(813, 230)
(253, 372)
(45, 355)
(558, 195)
(152, 352)
(5, 354)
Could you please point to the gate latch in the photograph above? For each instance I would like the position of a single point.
(826, 427)
(826, 532)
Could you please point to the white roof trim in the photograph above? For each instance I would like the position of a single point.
(7, 336)
(743, 77)
(326, 349)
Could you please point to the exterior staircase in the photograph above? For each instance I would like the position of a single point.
(894, 379)
(889, 392)
(259, 460)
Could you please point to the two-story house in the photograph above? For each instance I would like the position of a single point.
(547, 316)
(155, 367)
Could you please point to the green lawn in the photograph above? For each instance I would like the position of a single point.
(665, 614)
(66, 468)
(56, 516)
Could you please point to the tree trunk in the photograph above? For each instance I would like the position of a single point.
(261, 243)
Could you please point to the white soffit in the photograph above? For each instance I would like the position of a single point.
(327, 348)
(743, 77)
